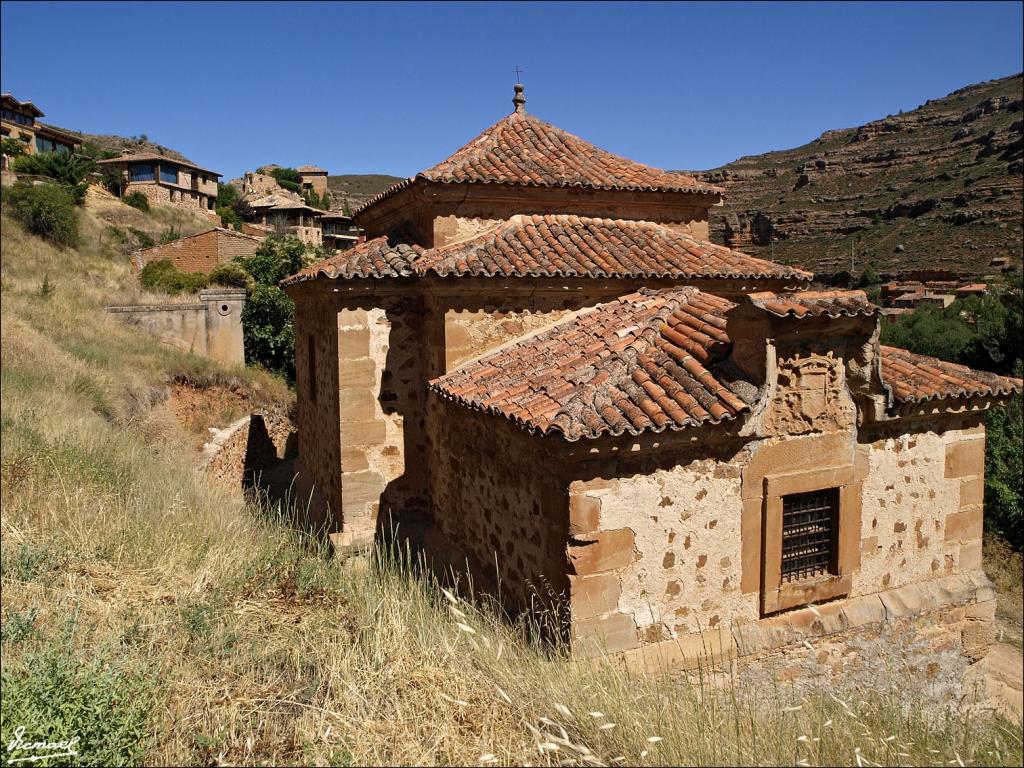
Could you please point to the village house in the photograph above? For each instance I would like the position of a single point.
(280, 214)
(18, 122)
(540, 371)
(313, 179)
(166, 180)
(200, 252)
(339, 230)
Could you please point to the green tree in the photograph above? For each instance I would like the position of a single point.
(267, 319)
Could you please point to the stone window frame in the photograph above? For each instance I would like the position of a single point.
(777, 595)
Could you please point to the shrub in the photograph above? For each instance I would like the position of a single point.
(66, 167)
(169, 235)
(46, 210)
(144, 239)
(232, 275)
(230, 218)
(161, 275)
(60, 695)
(12, 147)
(136, 200)
(1004, 456)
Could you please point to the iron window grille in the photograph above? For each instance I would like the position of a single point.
(810, 528)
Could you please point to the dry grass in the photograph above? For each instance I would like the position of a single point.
(259, 649)
(1006, 569)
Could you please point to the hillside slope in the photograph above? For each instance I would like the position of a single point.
(117, 144)
(943, 181)
(356, 189)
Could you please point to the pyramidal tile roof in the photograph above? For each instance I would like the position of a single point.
(560, 245)
(524, 150)
(642, 362)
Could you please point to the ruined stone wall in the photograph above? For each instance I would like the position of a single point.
(501, 501)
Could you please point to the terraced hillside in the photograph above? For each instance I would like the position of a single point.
(356, 189)
(937, 187)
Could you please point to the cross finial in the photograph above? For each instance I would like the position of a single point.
(517, 71)
(519, 100)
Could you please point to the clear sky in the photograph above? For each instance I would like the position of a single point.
(394, 88)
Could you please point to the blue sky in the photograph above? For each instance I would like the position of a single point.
(394, 88)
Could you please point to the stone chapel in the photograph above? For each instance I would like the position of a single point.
(539, 367)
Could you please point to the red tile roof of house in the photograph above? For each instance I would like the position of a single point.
(919, 378)
(524, 150)
(815, 304)
(642, 362)
(570, 246)
(649, 361)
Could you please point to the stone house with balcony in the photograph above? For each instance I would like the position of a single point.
(339, 230)
(18, 122)
(539, 369)
(280, 213)
(166, 180)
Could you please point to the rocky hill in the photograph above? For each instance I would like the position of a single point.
(939, 187)
(116, 144)
(356, 189)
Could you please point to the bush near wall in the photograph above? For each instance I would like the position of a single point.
(46, 210)
(136, 200)
(161, 275)
(267, 319)
(982, 333)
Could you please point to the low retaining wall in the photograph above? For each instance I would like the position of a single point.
(212, 327)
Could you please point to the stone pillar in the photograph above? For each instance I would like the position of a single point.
(224, 341)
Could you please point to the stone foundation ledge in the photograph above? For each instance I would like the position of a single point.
(967, 597)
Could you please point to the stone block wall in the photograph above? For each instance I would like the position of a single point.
(160, 194)
(664, 552)
(500, 503)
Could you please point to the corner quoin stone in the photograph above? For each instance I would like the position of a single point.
(603, 551)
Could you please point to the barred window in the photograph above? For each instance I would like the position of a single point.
(810, 527)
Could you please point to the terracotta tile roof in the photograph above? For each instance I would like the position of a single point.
(643, 362)
(524, 150)
(918, 378)
(28, 106)
(373, 258)
(573, 246)
(153, 157)
(815, 303)
(653, 360)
